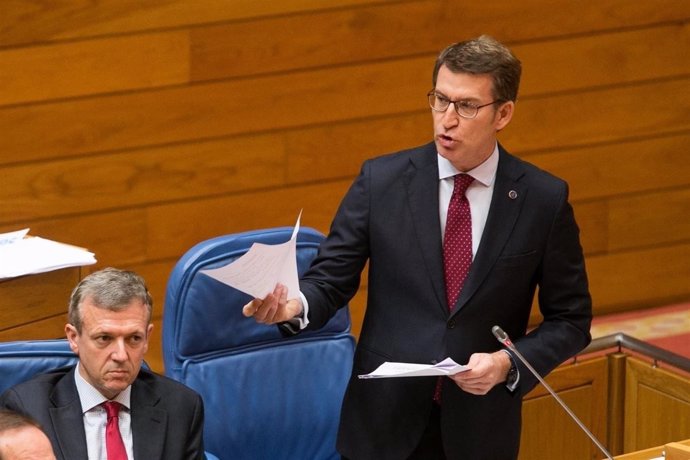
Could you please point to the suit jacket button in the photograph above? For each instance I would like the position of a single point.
(451, 323)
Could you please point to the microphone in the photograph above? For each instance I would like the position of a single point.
(503, 338)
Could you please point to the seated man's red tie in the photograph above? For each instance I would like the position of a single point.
(113, 440)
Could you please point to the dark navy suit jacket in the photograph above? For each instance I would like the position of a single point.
(167, 417)
(389, 217)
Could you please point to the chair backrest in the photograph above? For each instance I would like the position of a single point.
(21, 360)
(266, 395)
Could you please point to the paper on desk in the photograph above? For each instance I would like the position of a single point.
(389, 369)
(21, 255)
(262, 267)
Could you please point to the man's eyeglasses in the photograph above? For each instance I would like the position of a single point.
(465, 109)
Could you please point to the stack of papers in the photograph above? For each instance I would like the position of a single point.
(389, 369)
(21, 254)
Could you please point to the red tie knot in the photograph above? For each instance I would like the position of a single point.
(461, 183)
(112, 408)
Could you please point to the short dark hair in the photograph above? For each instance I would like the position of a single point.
(110, 289)
(484, 55)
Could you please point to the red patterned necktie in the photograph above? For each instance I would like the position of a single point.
(457, 242)
(457, 248)
(113, 440)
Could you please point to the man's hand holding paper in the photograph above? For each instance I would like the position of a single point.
(274, 308)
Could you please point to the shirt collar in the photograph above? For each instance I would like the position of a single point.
(485, 173)
(90, 397)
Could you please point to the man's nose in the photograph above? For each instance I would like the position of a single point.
(450, 116)
(119, 352)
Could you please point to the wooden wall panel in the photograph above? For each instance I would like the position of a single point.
(626, 168)
(24, 22)
(96, 66)
(639, 278)
(139, 129)
(141, 177)
(171, 234)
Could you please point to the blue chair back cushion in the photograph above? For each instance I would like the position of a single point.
(266, 396)
(21, 360)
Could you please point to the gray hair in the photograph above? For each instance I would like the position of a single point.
(484, 55)
(111, 289)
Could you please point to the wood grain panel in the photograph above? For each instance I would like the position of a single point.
(202, 111)
(338, 150)
(24, 22)
(296, 42)
(653, 397)
(620, 168)
(565, 440)
(605, 59)
(652, 219)
(142, 176)
(612, 115)
(639, 278)
(177, 227)
(228, 108)
(548, 431)
(92, 67)
(35, 297)
(592, 218)
(52, 327)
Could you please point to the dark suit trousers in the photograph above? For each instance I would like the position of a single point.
(430, 446)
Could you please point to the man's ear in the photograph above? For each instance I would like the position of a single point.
(72, 337)
(149, 330)
(504, 114)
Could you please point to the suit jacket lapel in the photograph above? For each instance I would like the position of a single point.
(421, 179)
(149, 423)
(506, 203)
(67, 418)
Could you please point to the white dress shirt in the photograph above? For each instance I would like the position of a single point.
(95, 418)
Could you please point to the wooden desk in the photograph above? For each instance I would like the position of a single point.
(35, 306)
(654, 452)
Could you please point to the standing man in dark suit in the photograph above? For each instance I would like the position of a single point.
(153, 417)
(522, 235)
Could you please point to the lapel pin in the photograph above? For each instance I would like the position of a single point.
(512, 194)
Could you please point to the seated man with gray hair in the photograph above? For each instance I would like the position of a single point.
(107, 406)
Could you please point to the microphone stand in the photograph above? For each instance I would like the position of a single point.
(503, 338)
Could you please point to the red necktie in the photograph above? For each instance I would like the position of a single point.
(457, 242)
(113, 440)
(457, 248)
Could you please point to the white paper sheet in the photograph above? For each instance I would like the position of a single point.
(21, 255)
(392, 369)
(259, 270)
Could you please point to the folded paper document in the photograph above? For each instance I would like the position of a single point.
(21, 254)
(388, 369)
(262, 267)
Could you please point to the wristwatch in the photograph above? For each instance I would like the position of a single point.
(513, 374)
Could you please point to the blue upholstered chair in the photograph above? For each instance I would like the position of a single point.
(266, 395)
(21, 360)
